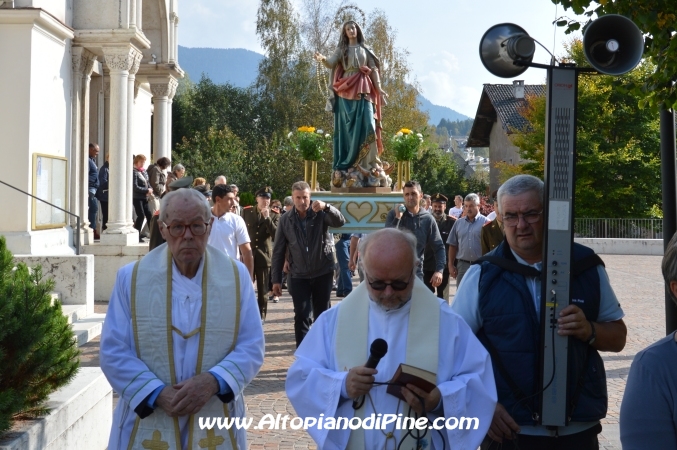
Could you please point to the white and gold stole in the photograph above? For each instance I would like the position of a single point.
(422, 340)
(151, 310)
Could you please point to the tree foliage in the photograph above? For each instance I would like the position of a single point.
(37, 348)
(658, 20)
(617, 145)
(455, 128)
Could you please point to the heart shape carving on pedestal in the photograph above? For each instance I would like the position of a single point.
(359, 211)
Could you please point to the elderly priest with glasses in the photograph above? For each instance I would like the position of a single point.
(433, 365)
(182, 337)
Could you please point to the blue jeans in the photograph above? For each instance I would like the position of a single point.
(344, 283)
(93, 208)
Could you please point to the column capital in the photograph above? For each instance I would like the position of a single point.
(137, 85)
(82, 61)
(120, 59)
(173, 17)
(163, 87)
(136, 63)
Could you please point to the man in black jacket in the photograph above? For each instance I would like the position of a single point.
(302, 238)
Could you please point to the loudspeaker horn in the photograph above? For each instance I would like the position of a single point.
(502, 45)
(613, 44)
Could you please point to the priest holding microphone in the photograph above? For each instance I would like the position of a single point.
(331, 377)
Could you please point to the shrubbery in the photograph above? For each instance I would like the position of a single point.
(38, 352)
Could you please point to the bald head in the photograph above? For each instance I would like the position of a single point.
(388, 244)
(183, 199)
(387, 256)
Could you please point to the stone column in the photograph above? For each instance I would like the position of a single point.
(161, 89)
(131, 151)
(82, 62)
(139, 9)
(173, 38)
(119, 61)
(132, 13)
(170, 101)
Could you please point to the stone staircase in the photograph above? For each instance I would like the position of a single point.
(85, 326)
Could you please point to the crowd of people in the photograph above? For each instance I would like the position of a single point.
(482, 350)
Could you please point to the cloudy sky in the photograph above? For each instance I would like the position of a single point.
(441, 36)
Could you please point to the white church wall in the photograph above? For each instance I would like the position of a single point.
(15, 45)
(60, 9)
(34, 119)
(155, 27)
(97, 14)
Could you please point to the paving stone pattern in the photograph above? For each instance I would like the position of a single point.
(636, 280)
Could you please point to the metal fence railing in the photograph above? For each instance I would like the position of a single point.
(619, 228)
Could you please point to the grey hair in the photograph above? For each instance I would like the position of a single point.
(225, 180)
(518, 185)
(300, 186)
(178, 168)
(187, 194)
(392, 235)
(473, 198)
(288, 201)
(669, 265)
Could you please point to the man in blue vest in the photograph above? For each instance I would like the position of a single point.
(500, 300)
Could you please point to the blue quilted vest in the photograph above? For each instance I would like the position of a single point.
(510, 325)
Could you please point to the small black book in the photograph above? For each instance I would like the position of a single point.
(406, 374)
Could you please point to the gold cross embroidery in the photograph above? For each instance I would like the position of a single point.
(211, 441)
(156, 443)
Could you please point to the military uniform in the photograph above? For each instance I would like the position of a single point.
(444, 225)
(490, 236)
(261, 233)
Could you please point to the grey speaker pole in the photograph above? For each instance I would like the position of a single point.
(562, 86)
(668, 178)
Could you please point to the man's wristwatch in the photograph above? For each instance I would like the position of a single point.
(593, 335)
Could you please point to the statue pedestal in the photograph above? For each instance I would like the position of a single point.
(361, 190)
(365, 209)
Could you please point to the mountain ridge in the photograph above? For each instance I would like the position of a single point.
(239, 67)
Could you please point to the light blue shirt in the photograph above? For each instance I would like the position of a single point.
(466, 305)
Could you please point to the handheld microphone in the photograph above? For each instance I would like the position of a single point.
(378, 350)
(401, 209)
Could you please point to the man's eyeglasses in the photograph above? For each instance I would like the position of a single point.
(179, 229)
(397, 285)
(511, 220)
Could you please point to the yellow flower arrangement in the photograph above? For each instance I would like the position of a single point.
(405, 144)
(311, 142)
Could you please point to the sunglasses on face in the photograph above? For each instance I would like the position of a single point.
(397, 285)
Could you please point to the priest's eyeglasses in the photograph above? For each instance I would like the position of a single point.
(397, 285)
(511, 220)
(179, 229)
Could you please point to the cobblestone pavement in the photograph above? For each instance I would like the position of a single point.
(636, 280)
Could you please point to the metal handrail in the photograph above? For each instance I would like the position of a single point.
(76, 233)
(617, 228)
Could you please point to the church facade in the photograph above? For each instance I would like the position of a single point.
(75, 72)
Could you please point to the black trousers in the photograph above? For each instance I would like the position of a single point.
(427, 275)
(262, 275)
(585, 440)
(104, 215)
(142, 211)
(309, 294)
